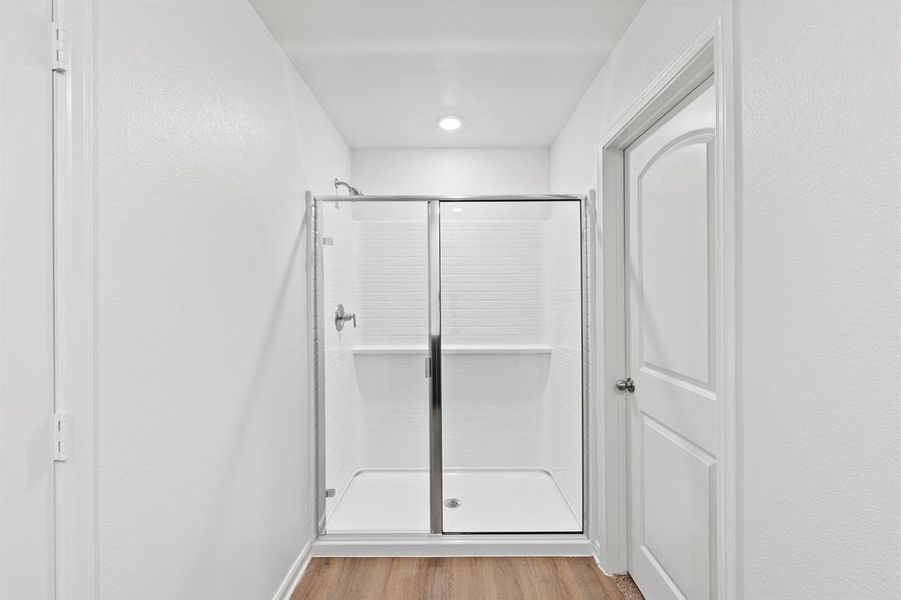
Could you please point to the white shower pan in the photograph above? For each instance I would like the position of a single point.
(490, 500)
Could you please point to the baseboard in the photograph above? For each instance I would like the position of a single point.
(295, 573)
(596, 555)
(597, 561)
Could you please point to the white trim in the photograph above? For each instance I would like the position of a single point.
(711, 53)
(426, 544)
(597, 561)
(74, 306)
(594, 440)
(295, 573)
(728, 174)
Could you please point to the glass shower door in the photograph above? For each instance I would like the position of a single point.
(511, 361)
(374, 324)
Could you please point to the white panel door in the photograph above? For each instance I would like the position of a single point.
(673, 431)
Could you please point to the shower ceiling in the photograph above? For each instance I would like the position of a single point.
(386, 70)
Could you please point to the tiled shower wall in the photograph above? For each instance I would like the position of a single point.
(492, 297)
(392, 274)
(492, 290)
(493, 304)
(392, 278)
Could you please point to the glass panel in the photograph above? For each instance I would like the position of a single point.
(375, 263)
(511, 333)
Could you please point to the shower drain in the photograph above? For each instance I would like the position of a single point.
(452, 502)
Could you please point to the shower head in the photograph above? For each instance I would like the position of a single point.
(350, 189)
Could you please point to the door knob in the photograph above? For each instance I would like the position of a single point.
(625, 385)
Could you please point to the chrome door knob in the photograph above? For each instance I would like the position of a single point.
(625, 385)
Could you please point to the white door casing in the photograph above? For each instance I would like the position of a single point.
(671, 335)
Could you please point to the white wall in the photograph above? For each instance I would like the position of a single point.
(206, 139)
(660, 30)
(26, 303)
(819, 278)
(821, 231)
(454, 172)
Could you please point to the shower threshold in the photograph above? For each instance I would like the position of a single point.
(385, 513)
(392, 502)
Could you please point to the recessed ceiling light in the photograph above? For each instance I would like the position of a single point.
(450, 122)
(458, 210)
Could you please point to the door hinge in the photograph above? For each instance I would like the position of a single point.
(330, 492)
(61, 446)
(59, 50)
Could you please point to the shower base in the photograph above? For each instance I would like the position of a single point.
(490, 501)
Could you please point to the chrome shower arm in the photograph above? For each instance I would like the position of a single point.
(350, 189)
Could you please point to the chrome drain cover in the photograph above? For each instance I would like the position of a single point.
(452, 503)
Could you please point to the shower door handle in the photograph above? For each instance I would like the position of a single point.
(428, 367)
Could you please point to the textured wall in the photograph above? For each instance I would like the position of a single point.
(821, 265)
(660, 30)
(206, 139)
(26, 303)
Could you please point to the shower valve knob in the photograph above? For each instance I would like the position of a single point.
(342, 317)
(625, 385)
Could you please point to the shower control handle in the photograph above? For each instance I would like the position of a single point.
(342, 317)
(625, 385)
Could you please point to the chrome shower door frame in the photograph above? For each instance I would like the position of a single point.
(436, 455)
(316, 302)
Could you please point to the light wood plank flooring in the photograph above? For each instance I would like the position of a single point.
(483, 578)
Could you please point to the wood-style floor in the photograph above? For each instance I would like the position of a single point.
(483, 578)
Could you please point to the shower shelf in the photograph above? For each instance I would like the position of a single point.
(454, 349)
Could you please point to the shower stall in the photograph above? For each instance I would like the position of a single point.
(449, 352)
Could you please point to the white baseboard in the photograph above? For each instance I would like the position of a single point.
(596, 555)
(295, 573)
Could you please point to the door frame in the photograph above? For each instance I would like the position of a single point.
(711, 53)
(316, 299)
(74, 280)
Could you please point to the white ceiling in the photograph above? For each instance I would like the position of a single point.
(385, 70)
